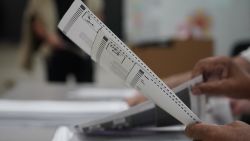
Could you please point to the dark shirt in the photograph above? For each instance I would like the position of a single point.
(62, 7)
(113, 13)
(71, 60)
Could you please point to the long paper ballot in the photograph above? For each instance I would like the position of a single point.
(104, 47)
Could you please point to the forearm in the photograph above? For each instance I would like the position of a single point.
(177, 79)
(39, 29)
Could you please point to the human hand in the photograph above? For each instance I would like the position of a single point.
(135, 100)
(52, 39)
(55, 41)
(240, 107)
(236, 131)
(222, 77)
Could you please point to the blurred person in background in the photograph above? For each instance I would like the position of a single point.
(63, 58)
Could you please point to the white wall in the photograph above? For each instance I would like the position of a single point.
(158, 20)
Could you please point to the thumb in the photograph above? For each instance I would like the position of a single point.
(201, 131)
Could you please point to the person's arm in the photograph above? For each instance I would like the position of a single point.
(39, 29)
(44, 22)
(51, 38)
(177, 79)
(236, 131)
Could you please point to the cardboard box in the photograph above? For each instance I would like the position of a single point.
(177, 57)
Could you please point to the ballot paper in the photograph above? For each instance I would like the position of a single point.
(104, 47)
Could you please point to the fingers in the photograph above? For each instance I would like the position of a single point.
(203, 65)
(210, 88)
(199, 68)
(238, 124)
(202, 131)
(231, 132)
(212, 67)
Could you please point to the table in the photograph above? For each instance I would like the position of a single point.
(11, 130)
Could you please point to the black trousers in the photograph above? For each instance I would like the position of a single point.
(63, 63)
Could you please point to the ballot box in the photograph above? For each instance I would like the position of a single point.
(175, 56)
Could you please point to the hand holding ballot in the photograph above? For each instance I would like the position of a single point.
(236, 131)
(222, 77)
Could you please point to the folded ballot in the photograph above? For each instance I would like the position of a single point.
(81, 26)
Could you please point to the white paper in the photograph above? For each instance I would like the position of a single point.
(102, 94)
(219, 111)
(90, 34)
(198, 103)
